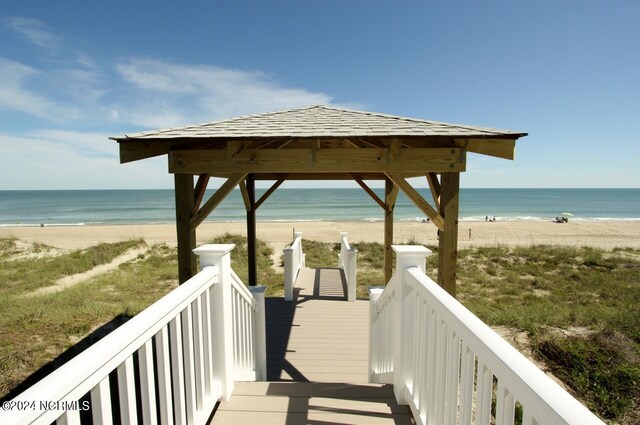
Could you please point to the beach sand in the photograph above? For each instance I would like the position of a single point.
(609, 234)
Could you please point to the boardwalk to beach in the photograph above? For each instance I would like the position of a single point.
(317, 354)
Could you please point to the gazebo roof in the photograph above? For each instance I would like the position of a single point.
(321, 122)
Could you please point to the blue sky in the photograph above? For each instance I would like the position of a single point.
(73, 73)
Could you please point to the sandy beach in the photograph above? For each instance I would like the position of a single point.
(606, 234)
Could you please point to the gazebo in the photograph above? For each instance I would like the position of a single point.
(319, 143)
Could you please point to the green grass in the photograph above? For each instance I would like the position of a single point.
(27, 274)
(35, 330)
(265, 273)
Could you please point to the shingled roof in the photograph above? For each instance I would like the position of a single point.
(321, 121)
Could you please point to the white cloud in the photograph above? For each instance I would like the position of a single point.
(85, 143)
(172, 94)
(34, 31)
(44, 163)
(14, 94)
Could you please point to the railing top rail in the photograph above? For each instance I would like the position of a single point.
(242, 289)
(76, 377)
(531, 385)
(345, 242)
(296, 243)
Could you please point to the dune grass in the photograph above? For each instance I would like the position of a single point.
(35, 330)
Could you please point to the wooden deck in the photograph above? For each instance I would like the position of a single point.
(317, 351)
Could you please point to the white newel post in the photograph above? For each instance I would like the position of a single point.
(374, 332)
(289, 277)
(347, 261)
(218, 255)
(407, 256)
(260, 333)
(297, 235)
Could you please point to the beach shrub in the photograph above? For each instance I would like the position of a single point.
(602, 369)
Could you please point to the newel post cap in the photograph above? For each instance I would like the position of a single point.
(210, 254)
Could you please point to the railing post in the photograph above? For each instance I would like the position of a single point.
(407, 256)
(297, 235)
(374, 331)
(289, 274)
(260, 333)
(218, 255)
(350, 273)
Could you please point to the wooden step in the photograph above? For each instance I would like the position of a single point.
(297, 403)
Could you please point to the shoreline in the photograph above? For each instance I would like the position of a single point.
(598, 234)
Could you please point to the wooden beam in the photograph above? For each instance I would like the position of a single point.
(417, 199)
(317, 161)
(367, 189)
(201, 188)
(216, 199)
(500, 148)
(134, 151)
(251, 231)
(448, 240)
(434, 186)
(272, 189)
(390, 192)
(186, 235)
(245, 196)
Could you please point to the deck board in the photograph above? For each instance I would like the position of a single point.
(318, 337)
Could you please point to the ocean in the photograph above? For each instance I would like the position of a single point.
(103, 207)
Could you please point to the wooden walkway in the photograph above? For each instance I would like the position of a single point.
(317, 356)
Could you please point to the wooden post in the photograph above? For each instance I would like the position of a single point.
(448, 243)
(251, 229)
(185, 203)
(390, 202)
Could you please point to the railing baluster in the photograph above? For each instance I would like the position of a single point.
(422, 357)
(198, 350)
(527, 418)
(466, 385)
(483, 394)
(164, 376)
(177, 371)
(101, 403)
(453, 370)
(505, 405)
(147, 384)
(207, 341)
(432, 365)
(127, 393)
(441, 372)
(189, 369)
(70, 417)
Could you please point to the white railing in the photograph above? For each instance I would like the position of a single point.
(448, 365)
(293, 261)
(347, 262)
(183, 348)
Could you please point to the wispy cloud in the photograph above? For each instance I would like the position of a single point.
(182, 94)
(14, 93)
(34, 31)
(44, 162)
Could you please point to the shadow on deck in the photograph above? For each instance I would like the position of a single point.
(318, 337)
